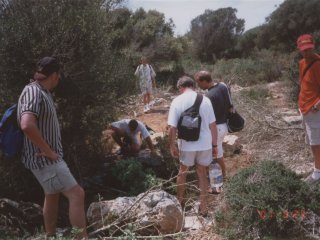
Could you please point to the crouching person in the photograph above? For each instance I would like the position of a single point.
(42, 152)
(126, 134)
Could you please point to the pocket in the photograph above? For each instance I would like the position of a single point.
(51, 182)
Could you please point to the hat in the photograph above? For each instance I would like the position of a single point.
(305, 42)
(47, 66)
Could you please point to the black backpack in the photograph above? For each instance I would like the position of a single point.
(190, 122)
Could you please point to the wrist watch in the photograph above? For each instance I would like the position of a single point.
(214, 145)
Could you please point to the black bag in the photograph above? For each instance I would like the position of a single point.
(190, 122)
(235, 122)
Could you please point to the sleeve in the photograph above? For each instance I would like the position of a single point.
(173, 116)
(30, 101)
(137, 72)
(144, 132)
(153, 73)
(206, 110)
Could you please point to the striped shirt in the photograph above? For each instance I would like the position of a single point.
(38, 101)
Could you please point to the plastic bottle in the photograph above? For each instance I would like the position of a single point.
(215, 175)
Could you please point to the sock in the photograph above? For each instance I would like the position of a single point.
(316, 174)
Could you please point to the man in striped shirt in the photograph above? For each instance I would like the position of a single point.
(42, 152)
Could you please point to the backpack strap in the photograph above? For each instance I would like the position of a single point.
(197, 102)
(308, 67)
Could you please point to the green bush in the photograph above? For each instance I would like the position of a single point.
(257, 93)
(94, 77)
(260, 67)
(133, 177)
(268, 199)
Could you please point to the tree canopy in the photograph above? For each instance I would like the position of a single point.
(214, 33)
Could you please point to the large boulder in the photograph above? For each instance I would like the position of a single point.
(153, 212)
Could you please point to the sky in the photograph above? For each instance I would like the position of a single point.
(182, 12)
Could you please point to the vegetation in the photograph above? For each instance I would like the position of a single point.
(268, 199)
(132, 177)
(99, 43)
(214, 33)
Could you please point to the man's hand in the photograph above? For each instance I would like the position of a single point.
(214, 152)
(51, 155)
(174, 151)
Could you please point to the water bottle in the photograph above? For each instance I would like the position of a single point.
(215, 175)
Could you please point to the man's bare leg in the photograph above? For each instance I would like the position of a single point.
(181, 183)
(203, 185)
(222, 166)
(76, 210)
(50, 212)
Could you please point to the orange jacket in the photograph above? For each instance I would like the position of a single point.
(309, 85)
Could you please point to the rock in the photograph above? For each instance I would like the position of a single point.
(288, 112)
(231, 145)
(192, 222)
(19, 218)
(154, 212)
(157, 134)
(150, 159)
(292, 120)
(108, 210)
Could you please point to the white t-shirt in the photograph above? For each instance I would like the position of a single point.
(145, 72)
(183, 102)
(124, 125)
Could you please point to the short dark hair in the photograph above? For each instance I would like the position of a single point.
(185, 82)
(204, 76)
(133, 124)
(47, 66)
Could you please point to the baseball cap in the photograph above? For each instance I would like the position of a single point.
(47, 66)
(304, 42)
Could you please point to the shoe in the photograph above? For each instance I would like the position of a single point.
(311, 181)
(146, 109)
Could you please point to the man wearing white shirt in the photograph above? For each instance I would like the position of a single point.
(146, 76)
(198, 153)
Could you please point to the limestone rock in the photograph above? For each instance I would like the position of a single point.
(231, 145)
(152, 212)
(292, 120)
(150, 159)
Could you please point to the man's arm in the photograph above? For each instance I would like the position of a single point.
(30, 128)
(214, 134)
(150, 144)
(172, 141)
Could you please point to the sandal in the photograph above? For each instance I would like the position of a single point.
(215, 190)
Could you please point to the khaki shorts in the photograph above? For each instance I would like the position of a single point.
(203, 158)
(55, 178)
(311, 123)
(146, 88)
(222, 132)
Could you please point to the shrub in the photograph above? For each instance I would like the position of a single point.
(268, 199)
(257, 93)
(94, 77)
(260, 67)
(132, 177)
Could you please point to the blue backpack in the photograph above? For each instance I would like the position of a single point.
(11, 136)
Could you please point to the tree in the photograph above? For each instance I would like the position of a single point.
(214, 33)
(95, 76)
(291, 19)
